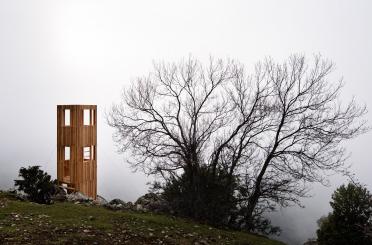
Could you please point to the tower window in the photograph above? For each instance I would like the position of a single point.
(92, 118)
(93, 152)
(67, 153)
(86, 117)
(87, 153)
(67, 117)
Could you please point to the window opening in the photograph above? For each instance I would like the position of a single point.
(92, 117)
(67, 117)
(87, 153)
(67, 153)
(86, 117)
(93, 153)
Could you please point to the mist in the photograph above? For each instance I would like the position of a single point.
(86, 52)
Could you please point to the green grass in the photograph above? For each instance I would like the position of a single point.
(68, 223)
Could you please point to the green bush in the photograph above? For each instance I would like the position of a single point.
(350, 222)
(211, 198)
(202, 196)
(36, 183)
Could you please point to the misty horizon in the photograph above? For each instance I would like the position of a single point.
(74, 52)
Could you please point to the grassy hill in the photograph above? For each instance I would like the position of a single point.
(68, 223)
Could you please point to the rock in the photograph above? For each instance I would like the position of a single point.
(117, 201)
(100, 201)
(129, 205)
(152, 202)
(147, 199)
(139, 207)
(78, 197)
(40, 216)
(117, 204)
(60, 194)
(148, 202)
(20, 195)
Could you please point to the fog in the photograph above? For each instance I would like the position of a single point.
(86, 52)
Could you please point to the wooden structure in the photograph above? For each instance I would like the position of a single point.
(77, 148)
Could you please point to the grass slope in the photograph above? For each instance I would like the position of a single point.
(68, 223)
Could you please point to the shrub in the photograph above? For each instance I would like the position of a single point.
(36, 183)
(212, 198)
(202, 196)
(351, 220)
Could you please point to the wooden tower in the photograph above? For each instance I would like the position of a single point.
(77, 148)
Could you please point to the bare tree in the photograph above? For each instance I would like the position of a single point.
(275, 129)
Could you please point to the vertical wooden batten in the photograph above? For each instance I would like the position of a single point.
(77, 173)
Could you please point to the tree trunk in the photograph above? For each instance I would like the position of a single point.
(250, 209)
(253, 198)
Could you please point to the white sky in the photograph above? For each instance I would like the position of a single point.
(85, 52)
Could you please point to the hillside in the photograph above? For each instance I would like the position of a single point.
(24, 222)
